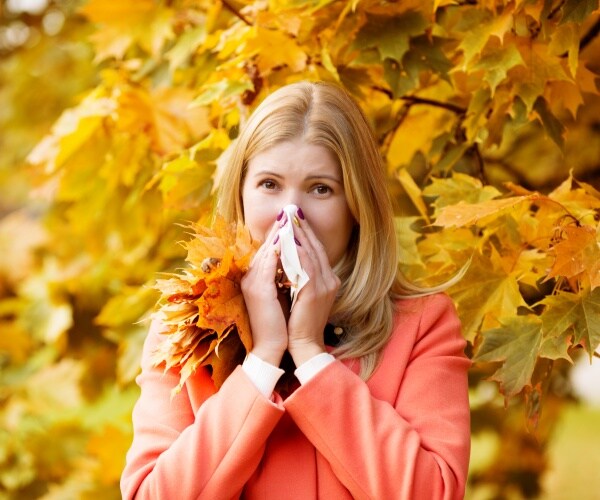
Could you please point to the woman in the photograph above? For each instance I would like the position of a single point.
(382, 415)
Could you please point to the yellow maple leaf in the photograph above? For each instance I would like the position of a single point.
(276, 49)
(465, 214)
(202, 309)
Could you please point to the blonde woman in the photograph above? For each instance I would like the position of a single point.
(378, 412)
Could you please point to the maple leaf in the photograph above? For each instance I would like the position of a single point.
(202, 309)
(123, 23)
(516, 344)
(577, 254)
(275, 49)
(486, 293)
(466, 214)
(414, 192)
(541, 67)
(390, 35)
(71, 131)
(459, 187)
(572, 314)
(496, 61)
(578, 10)
(481, 26)
(413, 135)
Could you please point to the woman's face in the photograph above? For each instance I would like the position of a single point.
(303, 174)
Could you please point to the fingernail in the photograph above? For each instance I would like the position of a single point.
(300, 213)
(280, 215)
(276, 239)
(296, 221)
(297, 242)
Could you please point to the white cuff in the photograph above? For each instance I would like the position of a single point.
(262, 374)
(314, 365)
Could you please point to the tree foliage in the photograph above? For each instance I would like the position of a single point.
(486, 114)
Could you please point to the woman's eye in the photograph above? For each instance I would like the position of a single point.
(322, 189)
(268, 184)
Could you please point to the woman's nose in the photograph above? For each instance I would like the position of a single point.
(293, 198)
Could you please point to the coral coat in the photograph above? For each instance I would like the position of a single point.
(403, 434)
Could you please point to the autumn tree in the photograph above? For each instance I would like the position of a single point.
(487, 117)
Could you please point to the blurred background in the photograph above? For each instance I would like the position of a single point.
(113, 118)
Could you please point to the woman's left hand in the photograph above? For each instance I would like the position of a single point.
(314, 302)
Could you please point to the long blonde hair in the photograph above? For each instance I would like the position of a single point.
(323, 114)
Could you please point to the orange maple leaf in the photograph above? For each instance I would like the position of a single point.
(577, 255)
(205, 321)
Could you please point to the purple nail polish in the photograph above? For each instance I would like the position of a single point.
(276, 239)
(280, 215)
(300, 213)
(297, 242)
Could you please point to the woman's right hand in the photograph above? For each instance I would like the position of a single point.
(267, 321)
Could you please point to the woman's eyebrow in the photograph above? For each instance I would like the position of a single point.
(270, 173)
(324, 176)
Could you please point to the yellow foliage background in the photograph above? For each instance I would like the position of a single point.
(116, 117)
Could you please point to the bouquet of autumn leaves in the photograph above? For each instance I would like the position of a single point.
(202, 309)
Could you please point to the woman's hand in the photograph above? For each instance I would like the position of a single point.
(267, 321)
(314, 302)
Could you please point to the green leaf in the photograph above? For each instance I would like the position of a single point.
(222, 90)
(483, 27)
(577, 313)
(426, 53)
(400, 81)
(557, 347)
(390, 35)
(578, 10)
(553, 126)
(516, 343)
(459, 187)
(496, 63)
(541, 67)
(185, 47)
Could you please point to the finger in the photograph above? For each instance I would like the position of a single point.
(267, 265)
(270, 238)
(313, 246)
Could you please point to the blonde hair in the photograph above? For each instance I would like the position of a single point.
(323, 114)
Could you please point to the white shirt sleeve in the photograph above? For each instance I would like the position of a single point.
(262, 374)
(314, 365)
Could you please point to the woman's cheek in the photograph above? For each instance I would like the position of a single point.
(259, 221)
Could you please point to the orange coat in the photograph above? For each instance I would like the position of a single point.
(403, 434)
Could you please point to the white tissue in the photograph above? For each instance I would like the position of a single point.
(289, 254)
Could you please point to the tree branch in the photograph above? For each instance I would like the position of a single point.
(556, 9)
(590, 35)
(431, 102)
(235, 12)
(411, 99)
